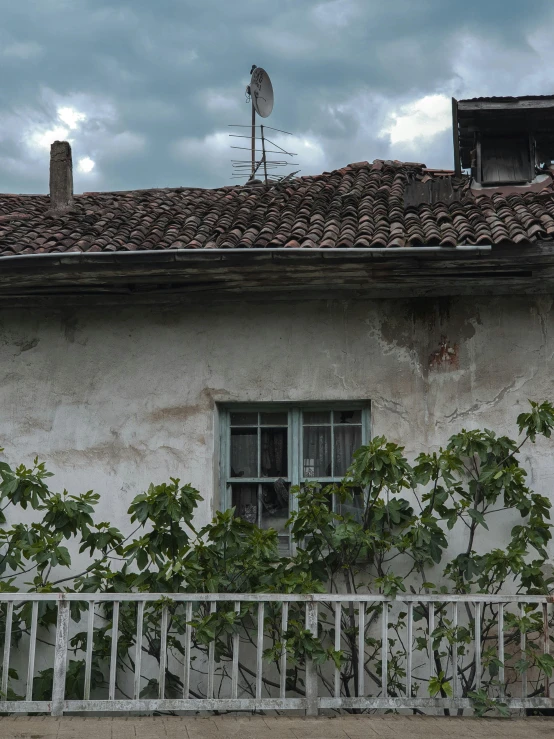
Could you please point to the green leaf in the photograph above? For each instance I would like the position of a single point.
(546, 663)
(142, 559)
(439, 683)
(478, 517)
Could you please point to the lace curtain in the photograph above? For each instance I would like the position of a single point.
(318, 451)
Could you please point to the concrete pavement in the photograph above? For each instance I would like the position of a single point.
(282, 727)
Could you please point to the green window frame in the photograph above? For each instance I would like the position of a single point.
(316, 443)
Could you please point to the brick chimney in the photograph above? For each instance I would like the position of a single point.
(61, 176)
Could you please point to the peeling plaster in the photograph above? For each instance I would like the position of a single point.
(445, 357)
(115, 401)
(174, 414)
(26, 345)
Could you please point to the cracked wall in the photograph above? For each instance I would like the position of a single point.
(114, 399)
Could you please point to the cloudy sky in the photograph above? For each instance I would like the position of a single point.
(145, 90)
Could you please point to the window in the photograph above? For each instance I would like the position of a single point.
(267, 449)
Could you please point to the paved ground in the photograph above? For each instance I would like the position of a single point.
(345, 727)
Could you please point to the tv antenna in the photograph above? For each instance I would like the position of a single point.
(259, 93)
(260, 90)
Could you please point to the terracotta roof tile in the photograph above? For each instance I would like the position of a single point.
(361, 205)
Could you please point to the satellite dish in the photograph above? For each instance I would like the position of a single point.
(261, 91)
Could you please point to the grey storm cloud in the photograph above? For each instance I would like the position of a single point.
(145, 90)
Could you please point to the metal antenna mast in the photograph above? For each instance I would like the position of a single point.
(259, 93)
(253, 126)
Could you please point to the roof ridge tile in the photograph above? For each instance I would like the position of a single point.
(359, 204)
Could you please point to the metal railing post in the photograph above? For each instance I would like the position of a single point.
(60, 657)
(223, 690)
(312, 707)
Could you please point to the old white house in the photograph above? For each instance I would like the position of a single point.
(247, 338)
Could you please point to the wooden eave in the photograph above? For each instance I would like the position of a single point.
(212, 275)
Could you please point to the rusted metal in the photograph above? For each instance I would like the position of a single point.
(433, 190)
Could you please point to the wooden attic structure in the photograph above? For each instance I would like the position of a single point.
(504, 140)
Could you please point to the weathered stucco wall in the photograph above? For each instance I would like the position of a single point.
(113, 399)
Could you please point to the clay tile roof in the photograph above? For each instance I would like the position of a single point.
(363, 205)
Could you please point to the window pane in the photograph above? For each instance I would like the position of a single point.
(244, 452)
(347, 416)
(316, 417)
(275, 505)
(354, 507)
(244, 498)
(244, 419)
(347, 440)
(317, 451)
(274, 419)
(274, 459)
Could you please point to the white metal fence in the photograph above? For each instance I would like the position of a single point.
(395, 648)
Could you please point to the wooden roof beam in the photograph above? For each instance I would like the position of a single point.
(517, 104)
